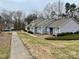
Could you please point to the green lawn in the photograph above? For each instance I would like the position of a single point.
(51, 49)
(66, 37)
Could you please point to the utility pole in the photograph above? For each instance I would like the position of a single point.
(59, 6)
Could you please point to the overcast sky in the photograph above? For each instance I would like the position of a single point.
(28, 5)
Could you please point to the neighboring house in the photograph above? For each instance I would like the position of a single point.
(8, 26)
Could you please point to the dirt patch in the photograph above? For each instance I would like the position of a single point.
(41, 51)
(52, 49)
(5, 42)
(58, 45)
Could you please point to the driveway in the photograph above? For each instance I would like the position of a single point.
(18, 51)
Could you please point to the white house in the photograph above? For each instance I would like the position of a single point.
(53, 27)
(65, 25)
(39, 26)
(62, 25)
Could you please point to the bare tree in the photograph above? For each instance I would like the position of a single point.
(13, 17)
(47, 11)
(56, 7)
(1, 24)
(7, 16)
(18, 20)
(30, 18)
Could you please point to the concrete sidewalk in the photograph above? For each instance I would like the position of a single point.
(18, 51)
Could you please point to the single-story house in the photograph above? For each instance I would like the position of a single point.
(40, 26)
(53, 27)
(64, 25)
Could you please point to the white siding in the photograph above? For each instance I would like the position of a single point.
(71, 26)
(48, 30)
(25, 27)
(39, 30)
(55, 31)
(43, 30)
(33, 30)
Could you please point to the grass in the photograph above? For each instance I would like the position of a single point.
(52, 49)
(5, 39)
(31, 40)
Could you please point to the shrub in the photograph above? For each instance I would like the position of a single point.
(25, 30)
(49, 38)
(63, 34)
(30, 32)
(76, 32)
(73, 37)
(62, 38)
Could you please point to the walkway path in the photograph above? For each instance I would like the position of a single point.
(18, 51)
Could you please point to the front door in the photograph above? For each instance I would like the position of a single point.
(51, 31)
